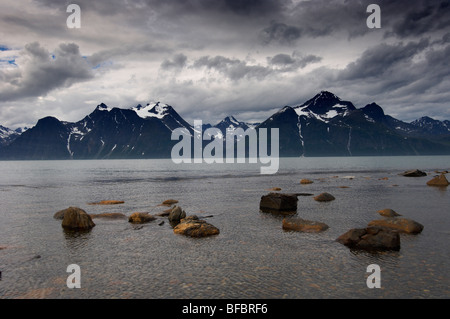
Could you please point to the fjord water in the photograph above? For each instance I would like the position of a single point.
(252, 257)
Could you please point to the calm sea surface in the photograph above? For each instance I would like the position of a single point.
(252, 257)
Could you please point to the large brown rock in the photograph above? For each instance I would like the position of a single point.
(440, 181)
(140, 218)
(279, 203)
(303, 225)
(324, 197)
(76, 219)
(193, 227)
(371, 238)
(402, 225)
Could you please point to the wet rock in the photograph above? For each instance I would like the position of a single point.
(193, 227)
(279, 203)
(176, 215)
(164, 213)
(388, 213)
(140, 218)
(324, 197)
(107, 202)
(371, 239)
(302, 225)
(440, 181)
(169, 202)
(402, 225)
(306, 181)
(274, 189)
(60, 214)
(414, 173)
(109, 216)
(76, 219)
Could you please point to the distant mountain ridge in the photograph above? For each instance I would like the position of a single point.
(325, 125)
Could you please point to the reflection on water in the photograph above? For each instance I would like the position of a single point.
(252, 257)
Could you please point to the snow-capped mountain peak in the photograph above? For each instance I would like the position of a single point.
(324, 106)
(154, 109)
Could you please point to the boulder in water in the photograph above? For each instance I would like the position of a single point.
(193, 227)
(279, 203)
(371, 238)
(414, 173)
(402, 225)
(76, 219)
(440, 181)
(324, 197)
(302, 225)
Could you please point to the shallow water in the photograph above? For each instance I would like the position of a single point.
(252, 257)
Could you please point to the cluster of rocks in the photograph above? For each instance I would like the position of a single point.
(76, 219)
(286, 204)
(379, 235)
(438, 180)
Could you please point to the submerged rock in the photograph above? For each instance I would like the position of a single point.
(324, 197)
(279, 203)
(388, 213)
(193, 227)
(169, 202)
(299, 224)
(140, 218)
(109, 216)
(414, 173)
(403, 225)
(76, 219)
(306, 181)
(371, 238)
(440, 181)
(107, 202)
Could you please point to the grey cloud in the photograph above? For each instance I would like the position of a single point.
(145, 50)
(38, 72)
(292, 62)
(234, 69)
(177, 62)
(280, 32)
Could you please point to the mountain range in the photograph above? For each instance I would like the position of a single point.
(322, 126)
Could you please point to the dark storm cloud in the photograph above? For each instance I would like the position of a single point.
(113, 7)
(281, 33)
(40, 71)
(418, 18)
(376, 61)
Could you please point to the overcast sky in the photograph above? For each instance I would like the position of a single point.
(213, 58)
